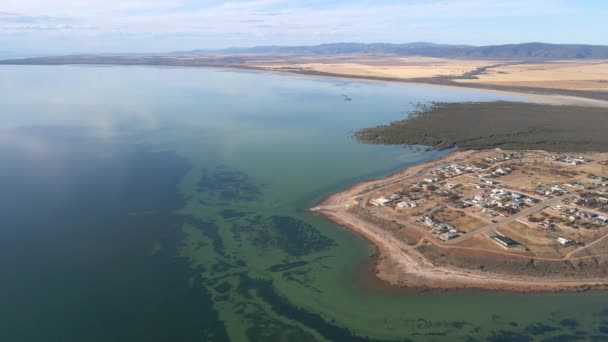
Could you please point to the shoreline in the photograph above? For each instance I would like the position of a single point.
(551, 97)
(401, 268)
(540, 95)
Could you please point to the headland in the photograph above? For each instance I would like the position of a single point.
(521, 205)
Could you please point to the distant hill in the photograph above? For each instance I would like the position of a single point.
(525, 51)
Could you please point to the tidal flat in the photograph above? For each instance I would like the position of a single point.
(205, 235)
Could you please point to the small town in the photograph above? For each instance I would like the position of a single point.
(532, 202)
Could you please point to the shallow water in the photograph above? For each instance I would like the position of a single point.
(165, 204)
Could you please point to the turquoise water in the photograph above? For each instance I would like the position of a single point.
(170, 204)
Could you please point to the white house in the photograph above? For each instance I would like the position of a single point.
(380, 201)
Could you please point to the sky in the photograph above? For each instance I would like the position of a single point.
(96, 26)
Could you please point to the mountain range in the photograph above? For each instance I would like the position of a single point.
(524, 51)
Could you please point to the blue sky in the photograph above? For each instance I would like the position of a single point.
(72, 26)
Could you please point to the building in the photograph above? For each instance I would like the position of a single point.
(517, 202)
(504, 241)
(502, 171)
(588, 215)
(449, 235)
(429, 221)
(558, 190)
(530, 200)
(380, 201)
(518, 195)
(404, 204)
(563, 241)
(498, 192)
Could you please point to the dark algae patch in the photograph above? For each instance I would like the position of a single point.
(281, 305)
(297, 237)
(539, 329)
(502, 124)
(287, 266)
(569, 323)
(294, 237)
(228, 185)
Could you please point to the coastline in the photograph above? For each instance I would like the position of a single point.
(551, 97)
(539, 95)
(402, 268)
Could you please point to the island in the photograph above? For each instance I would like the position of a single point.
(519, 204)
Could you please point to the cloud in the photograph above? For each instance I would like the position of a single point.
(15, 18)
(132, 24)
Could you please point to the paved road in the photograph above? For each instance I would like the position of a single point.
(538, 206)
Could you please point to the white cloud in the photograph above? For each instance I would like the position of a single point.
(175, 24)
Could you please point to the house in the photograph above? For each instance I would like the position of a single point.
(452, 234)
(405, 204)
(518, 195)
(490, 212)
(380, 201)
(577, 161)
(482, 203)
(517, 202)
(530, 200)
(498, 191)
(563, 241)
(395, 197)
(467, 203)
(602, 219)
(502, 171)
(558, 190)
(429, 221)
(445, 227)
(588, 214)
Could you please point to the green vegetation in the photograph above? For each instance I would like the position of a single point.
(507, 125)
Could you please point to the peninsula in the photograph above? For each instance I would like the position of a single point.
(521, 205)
(491, 219)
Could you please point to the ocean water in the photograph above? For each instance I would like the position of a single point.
(169, 204)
